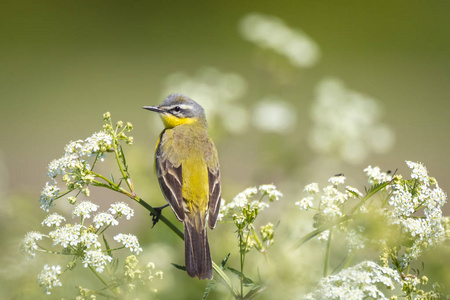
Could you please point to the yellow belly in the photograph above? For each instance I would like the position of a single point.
(195, 184)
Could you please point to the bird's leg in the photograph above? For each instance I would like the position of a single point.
(155, 216)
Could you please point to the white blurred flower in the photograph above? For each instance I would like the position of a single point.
(216, 91)
(28, 244)
(347, 124)
(48, 278)
(312, 188)
(358, 282)
(244, 208)
(376, 176)
(271, 191)
(337, 180)
(305, 203)
(419, 171)
(331, 201)
(407, 198)
(355, 239)
(274, 114)
(242, 199)
(223, 210)
(272, 33)
(324, 235)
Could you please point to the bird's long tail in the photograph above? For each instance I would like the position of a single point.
(197, 256)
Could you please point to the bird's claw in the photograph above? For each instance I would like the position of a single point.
(157, 214)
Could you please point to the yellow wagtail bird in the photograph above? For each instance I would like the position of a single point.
(187, 167)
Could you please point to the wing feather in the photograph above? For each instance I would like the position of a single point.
(215, 189)
(170, 178)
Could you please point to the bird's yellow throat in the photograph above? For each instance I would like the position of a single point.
(170, 121)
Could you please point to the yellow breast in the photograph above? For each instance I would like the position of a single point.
(170, 121)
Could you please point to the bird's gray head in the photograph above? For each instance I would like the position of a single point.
(178, 109)
(182, 107)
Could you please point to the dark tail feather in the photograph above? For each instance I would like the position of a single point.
(197, 256)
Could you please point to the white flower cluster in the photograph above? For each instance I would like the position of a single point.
(358, 282)
(104, 219)
(217, 91)
(28, 244)
(376, 176)
(74, 167)
(129, 241)
(48, 196)
(409, 196)
(49, 278)
(271, 191)
(67, 235)
(272, 33)
(79, 239)
(53, 220)
(347, 124)
(331, 200)
(96, 259)
(121, 209)
(355, 239)
(84, 209)
(243, 206)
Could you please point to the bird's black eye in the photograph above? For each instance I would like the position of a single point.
(176, 109)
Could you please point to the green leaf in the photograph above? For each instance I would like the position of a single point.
(208, 288)
(224, 261)
(353, 193)
(377, 187)
(108, 249)
(124, 161)
(255, 291)
(112, 177)
(276, 226)
(246, 281)
(115, 265)
(179, 267)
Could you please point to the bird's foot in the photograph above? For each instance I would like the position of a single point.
(157, 214)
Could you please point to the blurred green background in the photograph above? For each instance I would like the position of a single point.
(64, 63)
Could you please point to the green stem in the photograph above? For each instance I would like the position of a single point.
(258, 241)
(63, 194)
(349, 260)
(327, 255)
(225, 279)
(112, 184)
(116, 293)
(113, 249)
(125, 176)
(241, 258)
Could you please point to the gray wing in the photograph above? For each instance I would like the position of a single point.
(169, 177)
(214, 195)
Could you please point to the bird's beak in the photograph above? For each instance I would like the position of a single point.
(153, 108)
